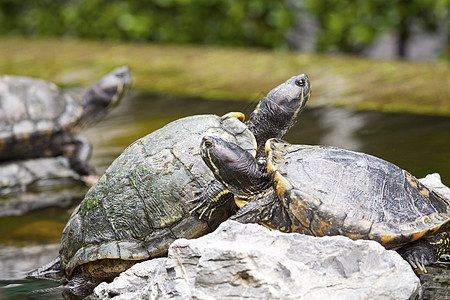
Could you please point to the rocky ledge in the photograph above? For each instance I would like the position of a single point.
(252, 262)
(31, 184)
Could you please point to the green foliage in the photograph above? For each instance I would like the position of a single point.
(344, 25)
(347, 25)
(260, 23)
(350, 25)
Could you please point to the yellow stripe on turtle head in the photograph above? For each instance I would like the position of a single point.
(118, 95)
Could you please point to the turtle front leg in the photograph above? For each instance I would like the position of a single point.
(419, 254)
(265, 209)
(210, 198)
(78, 149)
(426, 251)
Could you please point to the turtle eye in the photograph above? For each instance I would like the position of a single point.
(208, 144)
(300, 82)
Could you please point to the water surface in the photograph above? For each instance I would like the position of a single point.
(417, 143)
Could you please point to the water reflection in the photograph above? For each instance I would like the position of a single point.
(342, 126)
(17, 261)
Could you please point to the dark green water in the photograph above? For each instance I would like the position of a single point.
(417, 143)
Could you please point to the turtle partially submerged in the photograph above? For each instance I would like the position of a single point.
(39, 120)
(142, 203)
(320, 191)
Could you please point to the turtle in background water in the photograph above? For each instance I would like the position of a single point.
(37, 119)
(319, 190)
(143, 201)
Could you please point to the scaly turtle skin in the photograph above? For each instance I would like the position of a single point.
(320, 191)
(142, 203)
(39, 120)
(273, 117)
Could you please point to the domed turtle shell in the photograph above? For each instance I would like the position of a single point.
(32, 107)
(37, 119)
(332, 191)
(141, 203)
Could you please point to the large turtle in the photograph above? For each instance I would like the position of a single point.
(319, 190)
(39, 120)
(142, 202)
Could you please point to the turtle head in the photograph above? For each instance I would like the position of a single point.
(278, 111)
(290, 97)
(234, 167)
(105, 94)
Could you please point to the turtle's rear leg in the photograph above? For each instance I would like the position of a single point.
(50, 270)
(426, 251)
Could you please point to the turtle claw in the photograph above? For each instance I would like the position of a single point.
(411, 262)
(419, 255)
(202, 208)
(422, 268)
(416, 262)
(203, 205)
(209, 198)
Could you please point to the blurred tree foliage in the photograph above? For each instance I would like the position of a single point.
(351, 25)
(344, 25)
(261, 23)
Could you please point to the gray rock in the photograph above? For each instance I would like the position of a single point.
(252, 262)
(141, 281)
(434, 181)
(31, 184)
(17, 175)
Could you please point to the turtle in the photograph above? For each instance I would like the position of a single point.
(146, 198)
(37, 119)
(326, 191)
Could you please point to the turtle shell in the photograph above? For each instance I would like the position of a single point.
(140, 204)
(31, 110)
(332, 191)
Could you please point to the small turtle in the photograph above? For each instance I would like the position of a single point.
(321, 191)
(142, 202)
(39, 120)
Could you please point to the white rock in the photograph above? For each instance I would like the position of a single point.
(136, 283)
(434, 182)
(251, 262)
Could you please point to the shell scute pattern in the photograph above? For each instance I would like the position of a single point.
(379, 200)
(141, 203)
